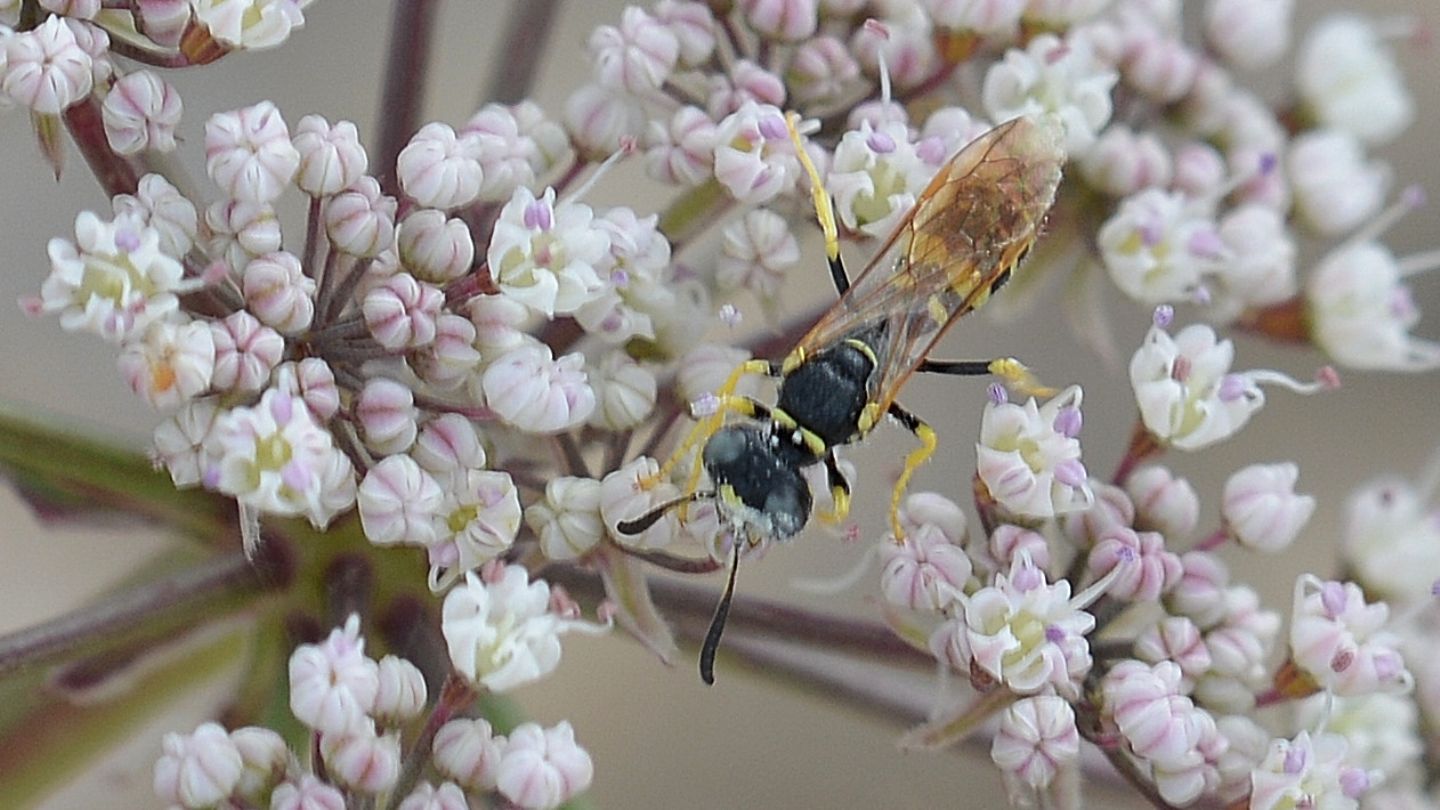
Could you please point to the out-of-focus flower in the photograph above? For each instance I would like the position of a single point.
(1163, 502)
(1249, 34)
(1339, 641)
(1391, 534)
(1158, 245)
(264, 755)
(198, 770)
(467, 751)
(1348, 79)
(1361, 311)
(306, 793)
(1311, 769)
(332, 684)
(1123, 161)
(1336, 189)
(1056, 76)
(756, 252)
(636, 56)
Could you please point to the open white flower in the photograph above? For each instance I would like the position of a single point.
(548, 256)
(1028, 456)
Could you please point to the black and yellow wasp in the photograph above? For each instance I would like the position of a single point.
(967, 232)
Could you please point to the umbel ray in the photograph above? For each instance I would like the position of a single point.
(968, 231)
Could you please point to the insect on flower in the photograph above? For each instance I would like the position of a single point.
(968, 231)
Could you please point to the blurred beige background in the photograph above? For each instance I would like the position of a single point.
(658, 736)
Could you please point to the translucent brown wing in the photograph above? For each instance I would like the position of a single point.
(968, 230)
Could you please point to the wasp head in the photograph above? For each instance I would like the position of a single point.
(757, 476)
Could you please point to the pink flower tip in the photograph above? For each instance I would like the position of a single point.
(1355, 782)
(628, 145)
(538, 216)
(1328, 378)
(1333, 598)
(1201, 296)
(562, 604)
(214, 273)
(772, 127)
(1071, 473)
(997, 393)
(492, 572)
(880, 143)
(1435, 588)
(1342, 660)
(877, 28)
(1268, 162)
(1296, 759)
(1068, 422)
(1414, 196)
(1164, 316)
(1232, 387)
(127, 240)
(31, 305)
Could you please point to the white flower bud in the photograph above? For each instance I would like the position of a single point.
(1123, 162)
(1163, 502)
(756, 252)
(543, 768)
(240, 231)
(141, 112)
(198, 770)
(402, 313)
(264, 755)
(1336, 188)
(386, 413)
(434, 248)
(279, 292)
(399, 503)
(536, 393)
(1249, 34)
(361, 219)
(248, 153)
(624, 391)
(363, 761)
(439, 169)
(45, 68)
(401, 694)
(468, 752)
(246, 351)
(1347, 76)
(1261, 508)
(331, 157)
(568, 519)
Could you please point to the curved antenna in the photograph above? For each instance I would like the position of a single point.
(645, 521)
(717, 624)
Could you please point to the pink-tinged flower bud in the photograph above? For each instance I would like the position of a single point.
(308, 793)
(1249, 742)
(161, 21)
(333, 684)
(1113, 509)
(1249, 34)
(1346, 75)
(401, 313)
(248, 153)
(386, 413)
(362, 761)
(934, 510)
(533, 391)
(1163, 502)
(498, 323)
(821, 70)
(984, 17)
(141, 112)
(448, 444)
(467, 752)
(1037, 739)
(784, 20)
(1160, 67)
(746, 82)
(162, 207)
(448, 796)
(451, 359)
(240, 231)
(312, 380)
(1199, 592)
(1261, 271)
(1149, 711)
(623, 498)
(682, 151)
(264, 755)
(599, 118)
(1147, 568)
(1336, 187)
(625, 392)
(198, 770)
(1009, 541)
(1175, 638)
(399, 503)
(179, 443)
(434, 248)
(1199, 169)
(925, 571)
(1261, 509)
(94, 41)
(361, 219)
(1123, 162)
(907, 43)
(440, 169)
(279, 292)
(693, 26)
(543, 768)
(756, 252)
(78, 9)
(331, 157)
(551, 143)
(46, 69)
(246, 351)
(1340, 641)
(509, 156)
(636, 57)
(170, 363)
(567, 520)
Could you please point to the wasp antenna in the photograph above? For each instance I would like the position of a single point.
(717, 624)
(645, 521)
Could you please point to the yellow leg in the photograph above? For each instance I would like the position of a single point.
(1019, 378)
(841, 496)
(707, 425)
(918, 456)
(824, 212)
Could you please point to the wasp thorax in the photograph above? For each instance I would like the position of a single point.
(758, 480)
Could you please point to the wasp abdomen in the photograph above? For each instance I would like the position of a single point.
(826, 393)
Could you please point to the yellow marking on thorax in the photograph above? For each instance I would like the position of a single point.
(808, 437)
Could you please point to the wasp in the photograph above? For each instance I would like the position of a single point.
(968, 231)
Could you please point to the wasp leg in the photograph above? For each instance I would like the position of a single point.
(1011, 371)
(918, 456)
(711, 423)
(824, 211)
(839, 491)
